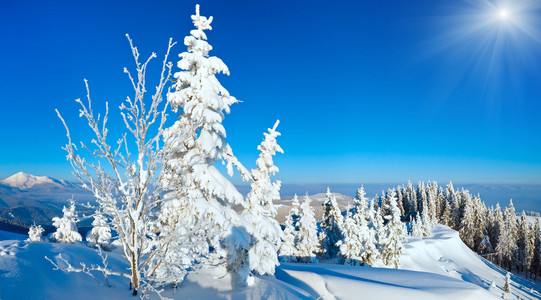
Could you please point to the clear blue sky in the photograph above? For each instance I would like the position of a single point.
(366, 91)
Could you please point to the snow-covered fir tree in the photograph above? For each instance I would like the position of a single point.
(507, 285)
(417, 226)
(394, 232)
(66, 227)
(34, 233)
(432, 202)
(507, 241)
(410, 198)
(331, 223)
(360, 202)
(400, 200)
(288, 249)
(529, 249)
(259, 210)
(495, 225)
(358, 247)
(422, 204)
(195, 142)
(523, 236)
(485, 247)
(375, 220)
(467, 229)
(307, 242)
(536, 258)
(350, 246)
(100, 235)
(440, 200)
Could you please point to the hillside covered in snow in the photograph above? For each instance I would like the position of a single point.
(26, 199)
(437, 267)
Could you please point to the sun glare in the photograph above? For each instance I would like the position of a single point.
(504, 15)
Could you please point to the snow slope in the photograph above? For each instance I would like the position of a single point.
(445, 254)
(439, 267)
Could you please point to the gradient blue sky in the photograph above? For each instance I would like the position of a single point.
(366, 91)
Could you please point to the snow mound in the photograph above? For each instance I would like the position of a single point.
(326, 281)
(444, 253)
(26, 274)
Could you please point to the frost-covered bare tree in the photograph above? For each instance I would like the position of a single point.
(123, 175)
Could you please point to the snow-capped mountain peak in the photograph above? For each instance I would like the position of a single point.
(25, 181)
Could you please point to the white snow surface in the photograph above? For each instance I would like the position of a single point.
(437, 267)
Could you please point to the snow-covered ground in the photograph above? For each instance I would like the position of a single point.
(438, 267)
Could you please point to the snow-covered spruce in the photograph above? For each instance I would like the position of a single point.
(394, 232)
(307, 242)
(358, 247)
(288, 249)
(34, 233)
(193, 144)
(100, 235)
(507, 241)
(351, 245)
(331, 231)
(259, 210)
(416, 226)
(66, 227)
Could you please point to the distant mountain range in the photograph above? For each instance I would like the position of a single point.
(28, 199)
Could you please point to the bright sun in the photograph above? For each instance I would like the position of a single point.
(504, 15)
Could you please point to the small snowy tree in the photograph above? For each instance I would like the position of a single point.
(331, 231)
(467, 224)
(417, 226)
(394, 232)
(34, 233)
(351, 245)
(507, 286)
(307, 244)
(288, 249)
(485, 246)
(360, 202)
(66, 227)
(507, 241)
(529, 249)
(259, 210)
(100, 235)
(375, 220)
(359, 244)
